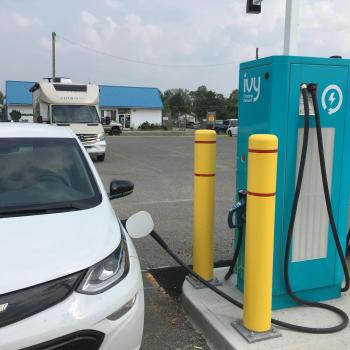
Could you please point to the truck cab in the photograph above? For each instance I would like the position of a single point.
(60, 102)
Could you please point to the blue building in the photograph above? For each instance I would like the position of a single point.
(18, 97)
(131, 106)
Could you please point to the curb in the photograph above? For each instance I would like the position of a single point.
(200, 322)
(213, 316)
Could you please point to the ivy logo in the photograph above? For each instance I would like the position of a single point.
(251, 89)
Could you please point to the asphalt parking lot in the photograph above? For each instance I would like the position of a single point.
(161, 168)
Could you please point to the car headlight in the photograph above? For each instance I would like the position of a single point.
(101, 137)
(106, 273)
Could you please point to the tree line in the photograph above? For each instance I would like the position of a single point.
(200, 102)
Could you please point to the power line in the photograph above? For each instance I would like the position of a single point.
(130, 60)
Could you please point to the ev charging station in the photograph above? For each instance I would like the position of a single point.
(296, 110)
(270, 102)
(303, 103)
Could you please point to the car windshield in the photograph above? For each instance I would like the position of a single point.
(74, 114)
(42, 175)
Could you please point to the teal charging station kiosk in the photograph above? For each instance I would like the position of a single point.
(270, 102)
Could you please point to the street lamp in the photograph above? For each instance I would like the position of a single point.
(254, 6)
(291, 23)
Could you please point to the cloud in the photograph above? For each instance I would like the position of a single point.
(214, 33)
(88, 18)
(113, 3)
(24, 21)
(111, 23)
(320, 14)
(61, 46)
(324, 28)
(45, 43)
(181, 32)
(133, 25)
(91, 36)
(133, 21)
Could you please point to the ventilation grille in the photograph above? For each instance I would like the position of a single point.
(310, 236)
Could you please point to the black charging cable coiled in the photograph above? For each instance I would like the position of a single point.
(345, 319)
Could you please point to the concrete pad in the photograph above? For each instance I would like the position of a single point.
(213, 316)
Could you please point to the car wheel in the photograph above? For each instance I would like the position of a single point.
(230, 133)
(115, 131)
(221, 132)
(101, 157)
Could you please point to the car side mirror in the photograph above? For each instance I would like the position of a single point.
(108, 120)
(120, 188)
(140, 225)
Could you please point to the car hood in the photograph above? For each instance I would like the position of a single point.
(39, 248)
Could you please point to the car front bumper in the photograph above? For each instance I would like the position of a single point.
(97, 148)
(88, 315)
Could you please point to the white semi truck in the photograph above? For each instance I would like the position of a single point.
(58, 101)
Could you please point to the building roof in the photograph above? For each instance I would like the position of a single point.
(17, 93)
(130, 97)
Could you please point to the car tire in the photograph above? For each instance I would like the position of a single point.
(115, 131)
(221, 132)
(230, 133)
(101, 157)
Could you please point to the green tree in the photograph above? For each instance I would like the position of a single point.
(15, 115)
(232, 105)
(204, 101)
(1, 98)
(219, 106)
(200, 102)
(176, 102)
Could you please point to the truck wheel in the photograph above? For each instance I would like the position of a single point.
(115, 131)
(101, 157)
(230, 133)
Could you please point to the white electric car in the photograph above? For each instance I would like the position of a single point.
(232, 129)
(70, 275)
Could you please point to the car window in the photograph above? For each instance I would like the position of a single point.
(45, 172)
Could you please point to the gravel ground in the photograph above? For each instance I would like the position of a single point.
(161, 168)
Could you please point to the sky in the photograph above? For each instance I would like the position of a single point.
(185, 43)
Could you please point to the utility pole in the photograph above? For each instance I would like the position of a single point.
(291, 28)
(53, 55)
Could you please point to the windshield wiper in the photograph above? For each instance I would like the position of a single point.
(44, 209)
(63, 124)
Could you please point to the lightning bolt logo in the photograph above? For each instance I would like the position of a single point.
(333, 103)
(331, 98)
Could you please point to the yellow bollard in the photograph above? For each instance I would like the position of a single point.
(260, 221)
(204, 203)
